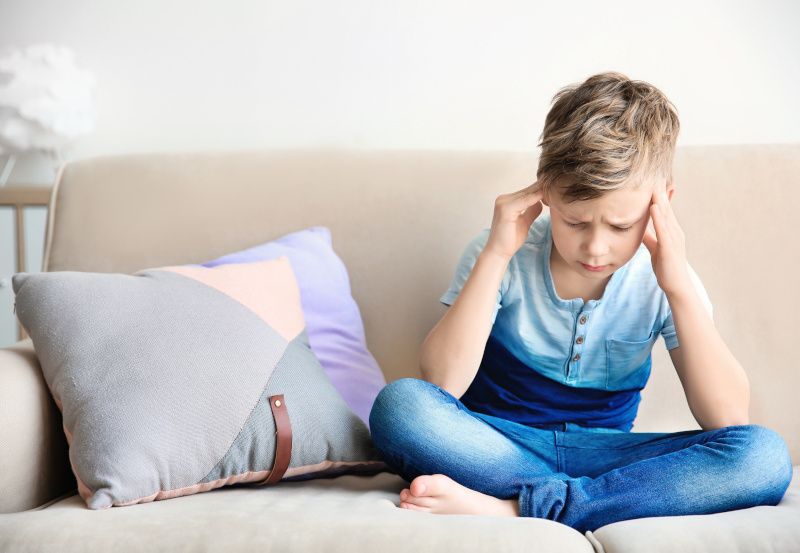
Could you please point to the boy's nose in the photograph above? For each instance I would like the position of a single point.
(596, 250)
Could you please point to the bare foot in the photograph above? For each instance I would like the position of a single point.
(438, 493)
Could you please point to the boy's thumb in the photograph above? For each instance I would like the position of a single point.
(531, 213)
(649, 241)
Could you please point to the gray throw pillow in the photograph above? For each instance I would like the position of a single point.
(178, 380)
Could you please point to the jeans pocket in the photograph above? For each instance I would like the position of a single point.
(628, 363)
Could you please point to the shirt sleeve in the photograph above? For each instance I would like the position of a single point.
(464, 268)
(668, 328)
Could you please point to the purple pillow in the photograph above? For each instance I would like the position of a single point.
(333, 321)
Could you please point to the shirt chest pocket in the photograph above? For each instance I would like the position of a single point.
(628, 363)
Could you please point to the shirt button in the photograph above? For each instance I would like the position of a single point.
(577, 357)
(579, 340)
(582, 319)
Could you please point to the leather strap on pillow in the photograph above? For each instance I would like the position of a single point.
(283, 441)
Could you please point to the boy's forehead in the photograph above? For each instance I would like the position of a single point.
(624, 205)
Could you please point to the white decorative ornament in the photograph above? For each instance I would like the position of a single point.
(45, 101)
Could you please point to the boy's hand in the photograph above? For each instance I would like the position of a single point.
(514, 214)
(668, 246)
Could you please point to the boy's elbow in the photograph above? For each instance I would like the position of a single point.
(430, 376)
(438, 380)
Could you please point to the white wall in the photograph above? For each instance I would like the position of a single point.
(189, 74)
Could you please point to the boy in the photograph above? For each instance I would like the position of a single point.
(532, 378)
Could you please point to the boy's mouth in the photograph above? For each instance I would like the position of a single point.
(593, 268)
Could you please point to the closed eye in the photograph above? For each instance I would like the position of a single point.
(620, 229)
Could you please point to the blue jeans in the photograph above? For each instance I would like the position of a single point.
(582, 477)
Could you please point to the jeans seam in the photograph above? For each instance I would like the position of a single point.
(557, 446)
(527, 508)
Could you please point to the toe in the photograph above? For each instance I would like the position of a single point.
(412, 507)
(422, 501)
(423, 486)
(431, 485)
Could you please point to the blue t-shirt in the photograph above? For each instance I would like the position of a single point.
(550, 360)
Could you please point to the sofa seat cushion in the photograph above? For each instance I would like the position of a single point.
(361, 513)
(764, 528)
(345, 514)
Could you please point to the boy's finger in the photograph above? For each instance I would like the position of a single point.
(650, 226)
(529, 215)
(666, 207)
(661, 225)
(650, 241)
(523, 203)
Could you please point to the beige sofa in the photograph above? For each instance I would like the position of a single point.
(400, 220)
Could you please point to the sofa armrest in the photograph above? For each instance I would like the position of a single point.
(34, 461)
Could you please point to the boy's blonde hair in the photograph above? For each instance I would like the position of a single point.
(606, 133)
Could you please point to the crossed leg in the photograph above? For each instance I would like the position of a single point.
(456, 462)
(584, 480)
(622, 476)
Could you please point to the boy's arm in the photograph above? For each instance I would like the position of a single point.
(716, 386)
(451, 353)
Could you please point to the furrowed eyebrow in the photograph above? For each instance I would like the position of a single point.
(615, 223)
(574, 220)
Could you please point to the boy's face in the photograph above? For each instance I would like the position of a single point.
(605, 231)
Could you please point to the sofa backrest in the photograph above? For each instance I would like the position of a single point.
(400, 221)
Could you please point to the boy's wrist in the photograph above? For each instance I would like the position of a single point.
(493, 257)
(683, 296)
